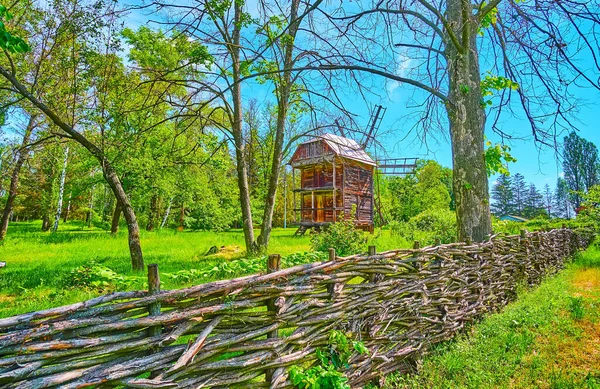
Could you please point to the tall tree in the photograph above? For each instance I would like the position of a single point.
(502, 196)
(61, 190)
(534, 202)
(562, 205)
(49, 37)
(580, 165)
(519, 189)
(548, 200)
(448, 43)
(21, 155)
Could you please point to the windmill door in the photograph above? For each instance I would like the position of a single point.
(319, 205)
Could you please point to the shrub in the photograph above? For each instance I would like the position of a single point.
(101, 278)
(342, 236)
(333, 359)
(428, 226)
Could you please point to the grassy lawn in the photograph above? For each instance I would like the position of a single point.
(548, 338)
(39, 267)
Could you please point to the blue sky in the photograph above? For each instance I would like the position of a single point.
(538, 165)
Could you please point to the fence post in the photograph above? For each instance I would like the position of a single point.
(273, 265)
(154, 308)
(416, 246)
(332, 258)
(372, 251)
(153, 288)
(469, 240)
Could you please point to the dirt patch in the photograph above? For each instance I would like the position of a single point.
(6, 298)
(587, 283)
(225, 252)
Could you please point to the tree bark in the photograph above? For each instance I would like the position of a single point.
(114, 226)
(238, 135)
(167, 212)
(68, 209)
(21, 157)
(45, 223)
(90, 213)
(181, 217)
(283, 101)
(152, 212)
(109, 173)
(61, 191)
(467, 125)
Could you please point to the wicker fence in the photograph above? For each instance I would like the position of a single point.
(246, 332)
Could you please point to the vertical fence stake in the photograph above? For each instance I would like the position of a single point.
(153, 288)
(273, 265)
(332, 258)
(416, 246)
(154, 308)
(469, 240)
(372, 252)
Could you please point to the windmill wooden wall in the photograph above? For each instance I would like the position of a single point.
(336, 181)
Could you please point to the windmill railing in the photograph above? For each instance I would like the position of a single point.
(397, 166)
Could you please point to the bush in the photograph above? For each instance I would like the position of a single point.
(101, 279)
(427, 226)
(342, 236)
(333, 360)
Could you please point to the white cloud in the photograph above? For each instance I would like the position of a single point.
(404, 64)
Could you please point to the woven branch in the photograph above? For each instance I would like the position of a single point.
(221, 334)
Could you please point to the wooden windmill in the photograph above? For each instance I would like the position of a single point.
(337, 178)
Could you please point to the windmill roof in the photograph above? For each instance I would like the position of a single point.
(344, 147)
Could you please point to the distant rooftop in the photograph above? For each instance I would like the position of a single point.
(344, 147)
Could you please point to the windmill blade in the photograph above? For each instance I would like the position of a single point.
(374, 124)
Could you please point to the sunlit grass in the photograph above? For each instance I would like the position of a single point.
(548, 338)
(39, 264)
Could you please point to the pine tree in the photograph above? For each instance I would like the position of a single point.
(502, 196)
(534, 202)
(519, 189)
(548, 197)
(562, 206)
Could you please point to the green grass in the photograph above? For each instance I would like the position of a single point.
(39, 267)
(548, 338)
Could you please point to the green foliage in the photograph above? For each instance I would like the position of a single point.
(101, 279)
(8, 41)
(342, 236)
(497, 158)
(576, 307)
(333, 359)
(580, 165)
(231, 269)
(406, 197)
(488, 19)
(491, 83)
(427, 226)
(304, 258)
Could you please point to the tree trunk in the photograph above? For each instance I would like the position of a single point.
(90, 213)
(22, 155)
(238, 136)
(467, 125)
(181, 217)
(46, 223)
(284, 89)
(168, 211)
(68, 210)
(61, 191)
(152, 212)
(110, 175)
(108, 205)
(114, 226)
